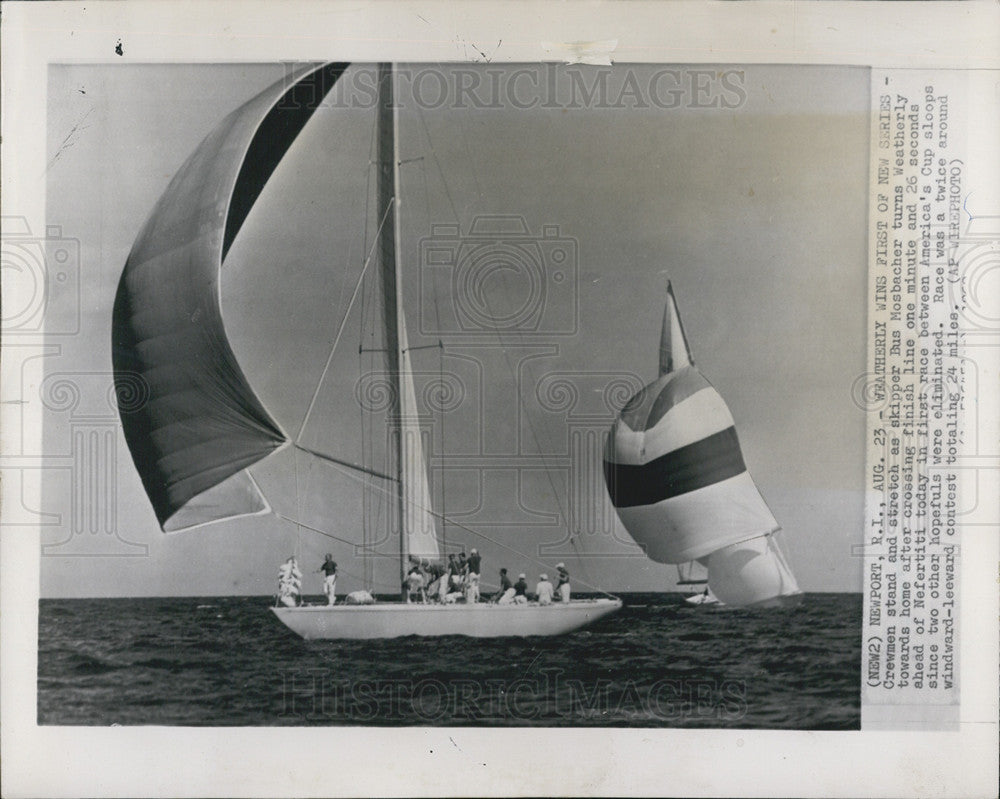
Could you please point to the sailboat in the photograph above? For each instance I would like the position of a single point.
(676, 477)
(202, 427)
(692, 578)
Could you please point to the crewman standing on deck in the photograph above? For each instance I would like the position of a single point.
(329, 568)
(472, 588)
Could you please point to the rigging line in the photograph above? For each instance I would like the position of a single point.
(775, 544)
(364, 489)
(368, 175)
(480, 534)
(523, 555)
(437, 322)
(468, 155)
(298, 507)
(444, 182)
(316, 530)
(380, 583)
(367, 310)
(548, 474)
(348, 464)
(369, 179)
(534, 434)
(343, 322)
(336, 538)
(444, 507)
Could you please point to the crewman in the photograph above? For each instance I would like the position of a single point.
(474, 562)
(521, 590)
(506, 593)
(433, 570)
(329, 567)
(444, 583)
(289, 583)
(544, 590)
(563, 585)
(415, 586)
(472, 588)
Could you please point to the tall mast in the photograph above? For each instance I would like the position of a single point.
(387, 134)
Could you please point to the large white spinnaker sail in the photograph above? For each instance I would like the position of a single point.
(192, 423)
(677, 479)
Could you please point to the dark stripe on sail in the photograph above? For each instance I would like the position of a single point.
(689, 468)
(275, 135)
(199, 423)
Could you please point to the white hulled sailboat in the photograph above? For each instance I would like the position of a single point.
(676, 476)
(203, 426)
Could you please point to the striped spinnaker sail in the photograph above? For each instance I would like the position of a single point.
(198, 424)
(676, 476)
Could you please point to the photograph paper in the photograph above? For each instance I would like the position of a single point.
(584, 415)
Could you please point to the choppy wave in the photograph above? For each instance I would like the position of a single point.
(657, 663)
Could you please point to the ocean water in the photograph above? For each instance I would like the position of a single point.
(656, 663)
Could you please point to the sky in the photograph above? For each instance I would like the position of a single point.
(756, 213)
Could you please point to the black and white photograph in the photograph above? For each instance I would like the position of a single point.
(396, 360)
(392, 396)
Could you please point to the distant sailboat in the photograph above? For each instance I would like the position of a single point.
(203, 426)
(692, 578)
(676, 476)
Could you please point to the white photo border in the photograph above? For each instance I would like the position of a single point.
(157, 761)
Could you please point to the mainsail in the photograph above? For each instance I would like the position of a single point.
(677, 479)
(200, 424)
(419, 527)
(418, 532)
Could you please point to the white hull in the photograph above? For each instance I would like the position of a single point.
(482, 620)
(702, 599)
